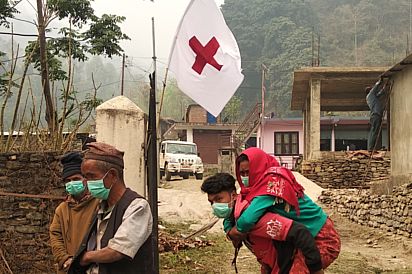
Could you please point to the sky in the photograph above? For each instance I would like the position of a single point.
(137, 26)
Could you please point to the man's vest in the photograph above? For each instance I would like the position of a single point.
(138, 265)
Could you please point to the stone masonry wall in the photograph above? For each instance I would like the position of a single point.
(339, 171)
(390, 213)
(24, 222)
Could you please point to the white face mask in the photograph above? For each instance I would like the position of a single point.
(245, 181)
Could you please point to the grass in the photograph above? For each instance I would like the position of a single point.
(210, 259)
(218, 257)
(354, 263)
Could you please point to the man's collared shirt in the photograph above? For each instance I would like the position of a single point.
(130, 236)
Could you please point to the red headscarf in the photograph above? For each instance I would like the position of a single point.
(267, 177)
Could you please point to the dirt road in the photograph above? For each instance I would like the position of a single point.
(364, 250)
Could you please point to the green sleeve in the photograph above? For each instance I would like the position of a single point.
(227, 225)
(257, 208)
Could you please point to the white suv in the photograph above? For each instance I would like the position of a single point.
(181, 159)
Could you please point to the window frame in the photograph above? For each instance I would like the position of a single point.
(283, 144)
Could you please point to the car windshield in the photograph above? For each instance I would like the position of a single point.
(181, 149)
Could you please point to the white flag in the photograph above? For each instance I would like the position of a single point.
(205, 57)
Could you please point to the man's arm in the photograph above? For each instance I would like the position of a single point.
(135, 229)
(105, 255)
(56, 240)
(379, 88)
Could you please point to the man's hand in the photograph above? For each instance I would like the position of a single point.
(67, 264)
(236, 237)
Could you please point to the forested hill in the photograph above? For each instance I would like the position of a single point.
(278, 33)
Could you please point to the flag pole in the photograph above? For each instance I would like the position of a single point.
(170, 58)
(152, 164)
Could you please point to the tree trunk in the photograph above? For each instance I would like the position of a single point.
(50, 117)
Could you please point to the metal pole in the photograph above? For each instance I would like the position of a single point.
(152, 164)
(123, 64)
(262, 123)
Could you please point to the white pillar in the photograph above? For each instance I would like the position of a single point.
(120, 123)
(332, 138)
(189, 135)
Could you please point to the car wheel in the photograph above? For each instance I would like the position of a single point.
(168, 175)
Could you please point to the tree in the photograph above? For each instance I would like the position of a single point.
(86, 34)
(175, 102)
(7, 11)
(276, 33)
(233, 110)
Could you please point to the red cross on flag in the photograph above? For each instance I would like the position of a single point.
(205, 57)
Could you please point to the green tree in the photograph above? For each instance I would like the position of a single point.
(232, 113)
(275, 33)
(175, 102)
(7, 11)
(86, 34)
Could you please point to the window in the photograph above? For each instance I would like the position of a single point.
(286, 143)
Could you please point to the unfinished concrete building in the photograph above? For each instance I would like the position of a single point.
(317, 89)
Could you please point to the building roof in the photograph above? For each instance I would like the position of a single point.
(337, 120)
(399, 66)
(216, 126)
(342, 88)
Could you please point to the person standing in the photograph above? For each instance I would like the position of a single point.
(72, 217)
(376, 104)
(118, 240)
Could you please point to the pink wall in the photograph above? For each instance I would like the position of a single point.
(271, 127)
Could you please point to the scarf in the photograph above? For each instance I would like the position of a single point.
(267, 177)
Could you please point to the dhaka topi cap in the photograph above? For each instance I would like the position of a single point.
(104, 152)
(71, 162)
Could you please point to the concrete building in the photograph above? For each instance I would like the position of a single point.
(211, 136)
(400, 118)
(284, 138)
(317, 89)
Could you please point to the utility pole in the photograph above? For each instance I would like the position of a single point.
(410, 22)
(356, 38)
(152, 165)
(123, 65)
(50, 116)
(262, 122)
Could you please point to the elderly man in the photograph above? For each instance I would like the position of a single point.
(118, 239)
(71, 220)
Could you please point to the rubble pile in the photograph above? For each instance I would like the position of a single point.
(169, 243)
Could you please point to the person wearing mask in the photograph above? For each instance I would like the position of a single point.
(72, 217)
(118, 240)
(280, 245)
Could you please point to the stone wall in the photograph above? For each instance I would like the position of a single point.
(336, 170)
(24, 221)
(390, 213)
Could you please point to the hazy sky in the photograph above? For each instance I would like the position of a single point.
(137, 26)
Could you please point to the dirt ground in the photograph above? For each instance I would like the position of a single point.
(364, 250)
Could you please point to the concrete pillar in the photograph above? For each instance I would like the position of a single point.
(332, 138)
(314, 119)
(120, 123)
(189, 135)
(306, 128)
(305, 136)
